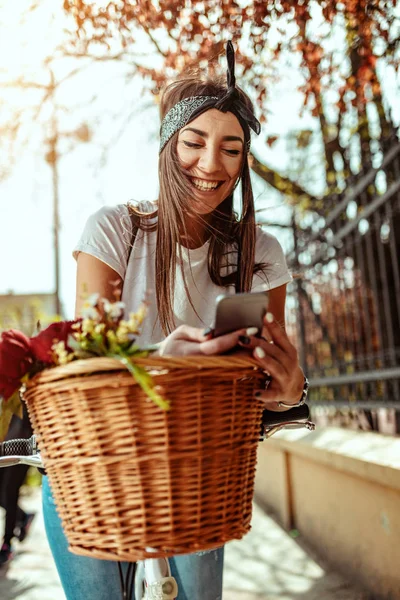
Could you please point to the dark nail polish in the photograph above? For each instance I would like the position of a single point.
(208, 331)
(243, 339)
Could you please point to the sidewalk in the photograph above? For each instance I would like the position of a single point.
(266, 565)
(31, 575)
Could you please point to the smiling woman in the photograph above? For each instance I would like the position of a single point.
(211, 149)
(205, 138)
(181, 252)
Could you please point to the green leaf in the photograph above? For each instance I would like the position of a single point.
(136, 353)
(81, 354)
(73, 343)
(132, 348)
(145, 381)
(89, 347)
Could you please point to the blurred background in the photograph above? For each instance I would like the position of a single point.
(79, 124)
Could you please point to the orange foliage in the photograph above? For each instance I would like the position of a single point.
(187, 32)
(267, 35)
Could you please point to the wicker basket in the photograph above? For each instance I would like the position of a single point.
(128, 476)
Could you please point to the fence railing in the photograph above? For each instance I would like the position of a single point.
(344, 304)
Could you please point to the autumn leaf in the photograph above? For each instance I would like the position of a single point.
(190, 36)
(270, 140)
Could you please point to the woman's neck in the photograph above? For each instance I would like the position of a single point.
(197, 232)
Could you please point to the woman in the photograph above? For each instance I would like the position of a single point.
(188, 248)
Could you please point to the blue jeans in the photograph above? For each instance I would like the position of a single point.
(199, 576)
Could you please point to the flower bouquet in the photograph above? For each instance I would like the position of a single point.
(101, 331)
(146, 455)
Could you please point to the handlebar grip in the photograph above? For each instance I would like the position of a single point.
(20, 447)
(298, 413)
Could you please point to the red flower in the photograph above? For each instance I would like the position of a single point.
(15, 361)
(42, 342)
(8, 386)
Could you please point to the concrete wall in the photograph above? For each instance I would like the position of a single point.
(341, 490)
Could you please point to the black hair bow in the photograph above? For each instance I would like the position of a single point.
(231, 101)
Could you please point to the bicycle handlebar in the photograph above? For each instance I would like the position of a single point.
(26, 452)
(298, 413)
(20, 452)
(294, 418)
(21, 447)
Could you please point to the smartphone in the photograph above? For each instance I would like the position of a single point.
(239, 311)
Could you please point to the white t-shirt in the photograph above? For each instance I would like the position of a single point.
(107, 236)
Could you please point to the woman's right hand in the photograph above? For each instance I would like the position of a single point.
(189, 341)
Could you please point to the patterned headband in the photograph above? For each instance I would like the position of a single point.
(189, 108)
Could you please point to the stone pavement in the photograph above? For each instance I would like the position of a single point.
(267, 564)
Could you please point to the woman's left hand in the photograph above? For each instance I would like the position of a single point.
(278, 358)
(190, 341)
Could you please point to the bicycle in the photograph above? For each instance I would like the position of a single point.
(155, 581)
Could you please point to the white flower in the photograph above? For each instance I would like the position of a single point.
(92, 300)
(114, 310)
(89, 310)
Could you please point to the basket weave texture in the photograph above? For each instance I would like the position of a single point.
(133, 481)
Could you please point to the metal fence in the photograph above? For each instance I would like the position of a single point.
(344, 303)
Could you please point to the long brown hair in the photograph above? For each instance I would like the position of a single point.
(231, 252)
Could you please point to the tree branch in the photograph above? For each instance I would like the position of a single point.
(281, 183)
